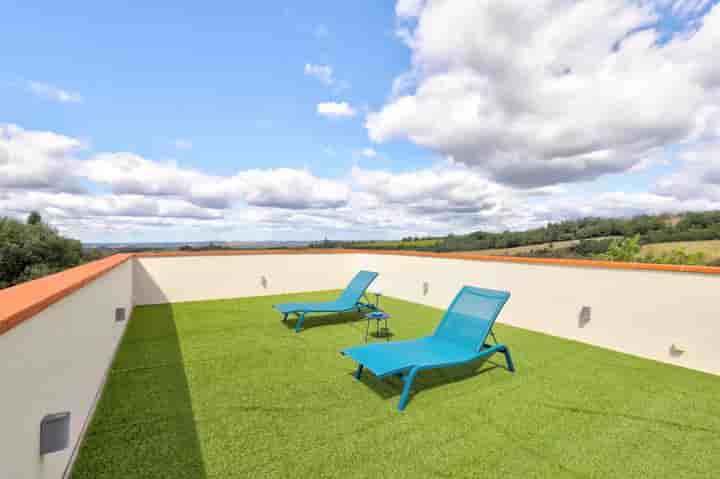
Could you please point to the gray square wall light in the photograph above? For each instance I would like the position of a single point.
(119, 315)
(54, 432)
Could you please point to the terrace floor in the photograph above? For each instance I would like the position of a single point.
(223, 389)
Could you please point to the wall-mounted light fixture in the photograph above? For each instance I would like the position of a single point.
(425, 288)
(120, 315)
(263, 282)
(676, 350)
(584, 316)
(54, 432)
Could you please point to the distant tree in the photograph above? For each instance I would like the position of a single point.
(652, 229)
(589, 247)
(32, 250)
(34, 218)
(626, 249)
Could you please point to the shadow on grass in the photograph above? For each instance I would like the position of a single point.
(145, 423)
(319, 319)
(392, 387)
(632, 417)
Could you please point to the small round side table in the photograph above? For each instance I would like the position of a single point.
(378, 317)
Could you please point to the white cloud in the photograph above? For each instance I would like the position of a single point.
(409, 8)
(698, 177)
(36, 159)
(444, 189)
(369, 152)
(324, 73)
(336, 110)
(126, 173)
(560, 92)
(52, 92)
(289, 188)
(183, 144)
(69, 205)
(134, 196)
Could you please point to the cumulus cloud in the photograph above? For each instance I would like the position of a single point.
(127, 173)
(698, 177)
(69, 205)
(36, 159)
(41, 171)
(55, 93)
(441, 189)
(336, 110)
(409, 8)
(290, 188)
(560, 92)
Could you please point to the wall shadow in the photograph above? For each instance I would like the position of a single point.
(145, 424)
(145, 289)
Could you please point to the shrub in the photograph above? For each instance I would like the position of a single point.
(626, 249)
(32, 250)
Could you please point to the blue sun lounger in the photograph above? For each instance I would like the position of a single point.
(349, 300)
(460, 338)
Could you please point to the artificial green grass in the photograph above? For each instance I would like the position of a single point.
(223, 389)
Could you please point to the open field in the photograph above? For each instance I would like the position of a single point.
(523, 249)
(224, 389)
(424, 243)
(517, 250)
(710, 248)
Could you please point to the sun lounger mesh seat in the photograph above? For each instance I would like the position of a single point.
(461, 337)
(349, 300)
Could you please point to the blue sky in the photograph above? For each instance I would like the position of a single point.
(227, 76)
(205, 120)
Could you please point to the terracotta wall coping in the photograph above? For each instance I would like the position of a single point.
(579, 263)
(20, 303)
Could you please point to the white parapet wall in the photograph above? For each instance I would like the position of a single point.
(193, 278)
(639, 312)
(672, 317)
(56, 362)
(55, 357)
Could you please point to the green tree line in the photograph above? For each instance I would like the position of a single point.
(650, 228)
(34, 249)
(597, 238)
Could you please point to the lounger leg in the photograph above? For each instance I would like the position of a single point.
(284, 317)
(359, 371)
(408, 379)
(509, 360)
(299, 323)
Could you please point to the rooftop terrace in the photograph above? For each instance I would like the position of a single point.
(616, 376)
(223, 389)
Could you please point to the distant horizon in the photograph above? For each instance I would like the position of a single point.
(270, 121)
(208, 242)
